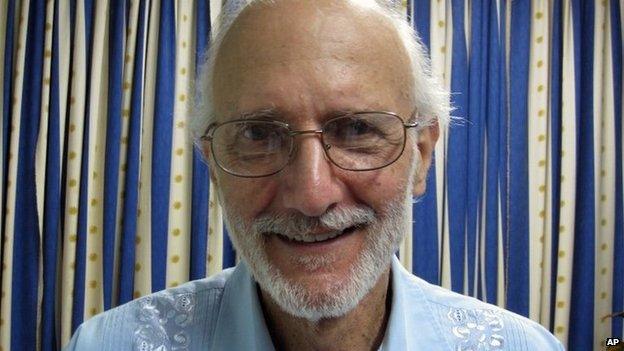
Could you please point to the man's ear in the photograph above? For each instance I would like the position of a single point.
(211, 170)
(204, 148)
(426, 144)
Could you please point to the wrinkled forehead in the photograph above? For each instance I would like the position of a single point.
(304, 36)
(298, 29)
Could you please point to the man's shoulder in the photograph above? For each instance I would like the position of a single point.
(464, 320)
(188, 311)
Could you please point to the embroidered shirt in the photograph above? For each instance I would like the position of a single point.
(223, 313)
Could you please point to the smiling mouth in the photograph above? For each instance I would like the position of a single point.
(318, 238)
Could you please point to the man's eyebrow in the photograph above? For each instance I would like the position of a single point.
(264, 113)
(348, 111)
(272, 113)
(339, 113)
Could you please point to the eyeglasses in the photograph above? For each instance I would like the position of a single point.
(359, 141)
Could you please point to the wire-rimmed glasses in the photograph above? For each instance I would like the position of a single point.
(357, 141)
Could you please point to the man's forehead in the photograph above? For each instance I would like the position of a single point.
(282, 41)
(291, 28)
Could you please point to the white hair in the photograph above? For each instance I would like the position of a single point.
(430, 98)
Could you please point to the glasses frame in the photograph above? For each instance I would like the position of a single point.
(208, 136)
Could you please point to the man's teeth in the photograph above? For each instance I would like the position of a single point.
(316, 238)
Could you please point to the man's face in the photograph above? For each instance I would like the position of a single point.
(310, 61)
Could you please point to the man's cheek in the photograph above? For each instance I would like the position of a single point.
(380, 187)
(250, 200)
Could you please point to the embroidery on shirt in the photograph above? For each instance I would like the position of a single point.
(163, 320)
(476, 330)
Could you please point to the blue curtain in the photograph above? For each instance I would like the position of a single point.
(529, 202)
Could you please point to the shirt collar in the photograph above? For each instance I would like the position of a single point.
(412, 323)
(241, 325)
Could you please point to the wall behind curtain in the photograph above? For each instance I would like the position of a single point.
(105, 199)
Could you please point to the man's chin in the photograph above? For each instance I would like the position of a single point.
(301, 268)
(319, 284)
(314, 305)
(321, 275)
(312, 295)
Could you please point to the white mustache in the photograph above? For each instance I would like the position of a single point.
(294, 225)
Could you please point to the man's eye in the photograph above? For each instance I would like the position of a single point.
(257, 132)
(357, 128)
(353, 129)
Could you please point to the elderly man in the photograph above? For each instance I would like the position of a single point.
(319, 122)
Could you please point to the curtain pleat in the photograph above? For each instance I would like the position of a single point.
(549, 270)
(11, 226)
(179, 225)
(133, 85)
(495, 99)
(456, 196)
(105, 199)
(72, 171)
(109, 193)
(516, 226)
(95, 220)
(141, 241)
(27, 225)
(604, 171)
(582, 299)
(566, 178)
(199, 193)
(142, 238)
(164, 101)
(539, 160)
(51, 234)
(617, 11)
(4, 10)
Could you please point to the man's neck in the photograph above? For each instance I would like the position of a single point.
(362, 328)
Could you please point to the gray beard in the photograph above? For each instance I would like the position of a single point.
(384, 233)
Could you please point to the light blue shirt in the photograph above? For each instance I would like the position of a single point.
(223, 313)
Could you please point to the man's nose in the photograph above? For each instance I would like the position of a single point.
(309, 184)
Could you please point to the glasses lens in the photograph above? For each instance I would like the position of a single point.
(251, 148)
(364, 141)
